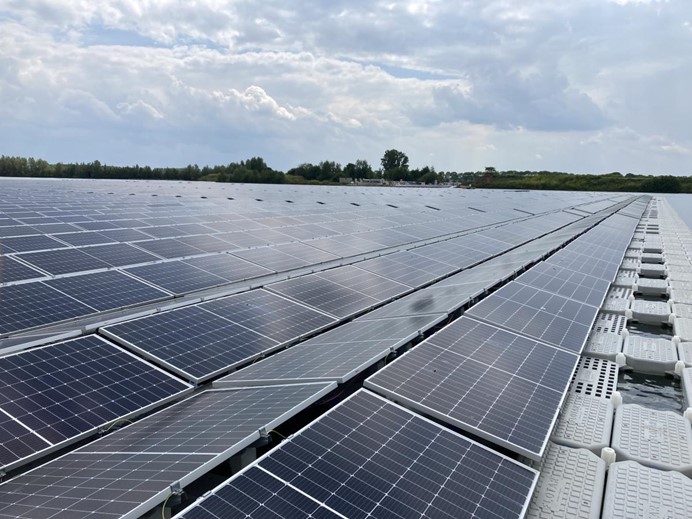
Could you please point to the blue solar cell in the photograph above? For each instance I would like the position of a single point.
(193, 342)
(371, 458)
(65, 390)
(490, 382)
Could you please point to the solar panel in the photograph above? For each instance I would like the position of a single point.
(371, 458)
(407, 268)
(535, 313)
(107, 290)
(257, 494)
(85, 238)
(228, 267)
(191, 341)
(271, 315)
(585, 263)
(124, 235)
(64, 391)
(271, 258)
(99, 481)
(169, 248)
(365, 282)
(433, 300)
(35, 304)
(63, 261)
(493, 383)
(339, 354)
(213, 421)
(206, 243)
(13, 270)
(324, 295)
(31, 243)
(120, 254)
(574, 285)
(177, 277)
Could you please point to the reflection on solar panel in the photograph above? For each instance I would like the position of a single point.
(432, 300)
(544, 316)
(268, 314)
(177, 277)
(256, 494)
(107, 290)
(120, 254)
(490, 382)
(371, 458)
(169, 248)
(407, 268)
(228, 267)
(63, 391)
(571, 259)
(338, 354)
(325, 295)
(191, 341)
(574, 285)
(177, 444)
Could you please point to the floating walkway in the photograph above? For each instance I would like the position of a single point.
(613, 460)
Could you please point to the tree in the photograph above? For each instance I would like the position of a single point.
(394, 164)
(361, 169)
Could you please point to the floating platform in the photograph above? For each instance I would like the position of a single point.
(651, 287)
(604, 345)
(595, 377)
(585, 422)
(653, 270)
(634, 253)
(681, 285)
(685, 353)
(681, 296)
(631, 264)
(634, 491)
(650, 355)
(648, 257)
(617, 300)
(686, 379)
(682, 328)
(657, 439)
(679, 274)
(626, 278)
(571, 485)
(681, 310)
(653, 243)
(650, 312)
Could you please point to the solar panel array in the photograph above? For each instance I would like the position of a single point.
(371, 458)
(80, 255)
(60, 393)
(130, 471)
(170, 246)
(502, 370)
(201, 341)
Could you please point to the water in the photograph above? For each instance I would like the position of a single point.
(683, 206)
(663, 393)
(657, 392)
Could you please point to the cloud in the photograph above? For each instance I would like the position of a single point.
(469, 83)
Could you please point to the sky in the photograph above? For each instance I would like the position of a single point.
(583, 86)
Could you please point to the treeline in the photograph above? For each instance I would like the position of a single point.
(615, 181)
(254, 170)
(393, 168)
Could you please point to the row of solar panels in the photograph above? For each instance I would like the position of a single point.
(201, 341)
(469, 371)
(130, 459)
(48, 301)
